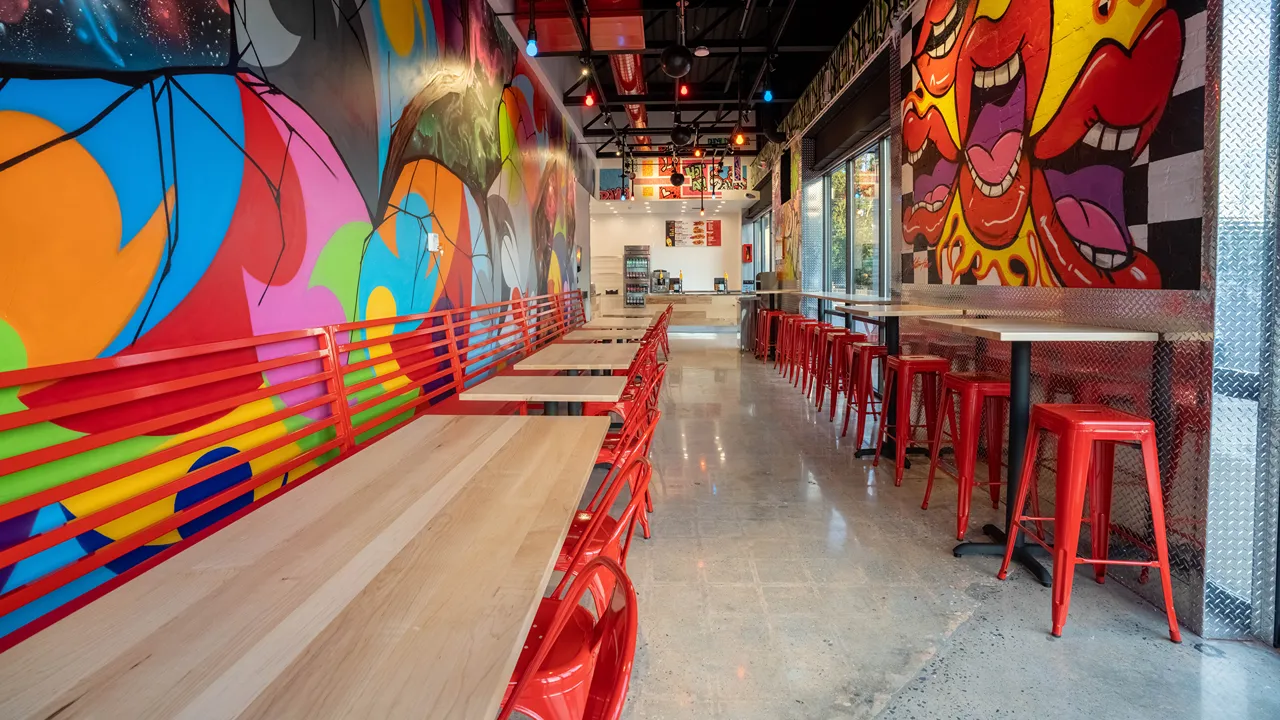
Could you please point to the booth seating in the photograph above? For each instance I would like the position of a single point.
(329, 392)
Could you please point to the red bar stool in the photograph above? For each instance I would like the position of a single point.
(835, 374)
(861, 392)
(1082, 471)
(787, 341)
(810, 331)
(766, 323)
(822, 342)
(974, 390)
(899, 383)
(797, 343)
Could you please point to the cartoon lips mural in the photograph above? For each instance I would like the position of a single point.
(1105, 121)
(999, 76)
(945, 23)
(934, 160)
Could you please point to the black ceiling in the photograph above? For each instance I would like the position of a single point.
(798, 35)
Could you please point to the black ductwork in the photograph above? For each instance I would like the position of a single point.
(768, 120)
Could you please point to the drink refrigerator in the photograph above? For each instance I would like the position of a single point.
(635, 270)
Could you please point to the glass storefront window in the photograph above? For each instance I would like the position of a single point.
(838, 229)
(867, 222)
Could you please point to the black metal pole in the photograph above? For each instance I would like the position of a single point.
(1019, 418)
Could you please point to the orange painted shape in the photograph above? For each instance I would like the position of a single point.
(66, 287)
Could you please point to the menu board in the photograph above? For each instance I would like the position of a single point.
(693, 233)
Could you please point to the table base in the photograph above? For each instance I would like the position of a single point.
(1022, 554)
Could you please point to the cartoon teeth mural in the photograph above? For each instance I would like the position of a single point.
(1052, 143)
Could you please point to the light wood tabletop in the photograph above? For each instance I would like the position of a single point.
(399, 583)
(581, 356)
(851, 299)
(607, 323)
(548, 388)
(600, 334)
(899, 310)
(1031, 329)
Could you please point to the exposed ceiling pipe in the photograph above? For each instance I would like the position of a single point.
(585, 43)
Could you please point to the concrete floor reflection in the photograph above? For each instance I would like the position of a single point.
(787, 579)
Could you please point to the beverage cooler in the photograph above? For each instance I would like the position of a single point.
(635, 267)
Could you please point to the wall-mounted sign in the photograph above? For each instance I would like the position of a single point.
(693, 233)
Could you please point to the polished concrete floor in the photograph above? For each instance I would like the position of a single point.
(787, 579)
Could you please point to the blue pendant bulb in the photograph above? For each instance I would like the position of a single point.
(768, 95)
(531, 47)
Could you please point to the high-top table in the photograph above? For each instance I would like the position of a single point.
(619, 323)
(550, 390)
(399, 583)
(889, 315)
(613, 335)
(1020, 333)
(834, 298)
(573, 357)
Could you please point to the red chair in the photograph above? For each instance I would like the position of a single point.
(974, 391)
(767, 325)
(576, 666)
(834, 372)
(901, 372)
(593, 531)
(1087, 436)
(858, 360)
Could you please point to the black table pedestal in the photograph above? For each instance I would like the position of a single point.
(1019, 418)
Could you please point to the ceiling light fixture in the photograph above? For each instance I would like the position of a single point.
(531, 40)
(590, 99)
(701, 51)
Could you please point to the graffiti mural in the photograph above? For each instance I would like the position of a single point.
(1053, 143)
(786, 233)
(160, 187)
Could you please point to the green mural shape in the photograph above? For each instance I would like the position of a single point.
(337, 267)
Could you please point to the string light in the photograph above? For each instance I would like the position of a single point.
(531, 40)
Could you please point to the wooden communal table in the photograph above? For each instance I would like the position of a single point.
(1020, 333)
(399, 583)
(889, 315)
(619, 323)
(773, 295)
(574, 357)
(614, 335)
(552, 391)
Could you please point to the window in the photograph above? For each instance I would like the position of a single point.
(838, 229)
(868, 225)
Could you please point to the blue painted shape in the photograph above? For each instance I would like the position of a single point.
(214, 485)
(55, 599)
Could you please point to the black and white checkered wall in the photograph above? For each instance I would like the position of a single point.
(1163, 190)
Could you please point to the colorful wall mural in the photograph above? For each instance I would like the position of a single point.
(652, 181)
(1054, 143)
(183, 171)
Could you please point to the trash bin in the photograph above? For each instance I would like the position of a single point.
(747, 323)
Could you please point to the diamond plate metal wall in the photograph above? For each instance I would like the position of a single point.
(1240, 550)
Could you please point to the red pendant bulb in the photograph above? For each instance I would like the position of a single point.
(684, 90)
(589, 100)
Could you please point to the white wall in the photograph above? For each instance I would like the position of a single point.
(610, 232)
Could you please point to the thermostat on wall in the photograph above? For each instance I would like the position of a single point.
(433, 242)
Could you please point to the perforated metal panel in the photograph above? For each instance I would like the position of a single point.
(812, 229)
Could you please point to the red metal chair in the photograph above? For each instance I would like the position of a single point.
(858, 360)
(576, 666)
(901, 372)
(767, 326)
(1087, 436)
(833, 371)
(974, 390)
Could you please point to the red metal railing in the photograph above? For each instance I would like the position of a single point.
(119, 441)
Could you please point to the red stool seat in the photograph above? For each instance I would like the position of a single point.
(767, 324)
(900, 375)
(836, 373)
(973, 390)
(1087, 436)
